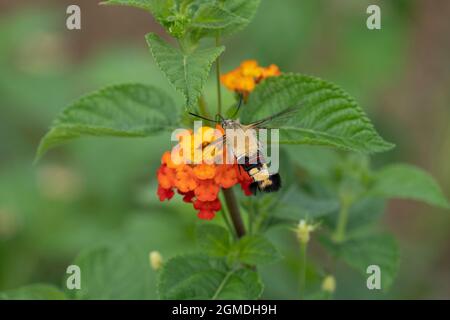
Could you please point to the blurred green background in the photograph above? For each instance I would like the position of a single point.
(95, 191)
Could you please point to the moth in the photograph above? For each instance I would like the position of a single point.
(249, 155)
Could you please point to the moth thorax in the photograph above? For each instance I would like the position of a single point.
(231, 124)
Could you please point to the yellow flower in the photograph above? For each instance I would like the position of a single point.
(244, 78)
(250, 68)
(303, 231)
(156, 260)
(329, 284)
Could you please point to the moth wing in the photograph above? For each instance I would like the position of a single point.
(261, 150)
(215, 151)
(273, 119)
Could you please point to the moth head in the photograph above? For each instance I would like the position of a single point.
(229, 123)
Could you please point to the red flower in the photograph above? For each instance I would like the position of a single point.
(206, 214)
(165, 193)
(188, 196)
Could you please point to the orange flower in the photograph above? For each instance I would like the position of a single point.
(205, 171)
(271, 71)
(185, 179)
(207, 190)
(166, 176)
(199, 184)
(167, 160)
(244, 78)
(226, 176)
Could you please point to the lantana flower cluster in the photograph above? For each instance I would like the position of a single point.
(199, 180)
(244, 78)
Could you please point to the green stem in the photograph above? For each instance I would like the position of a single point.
(303, 247)
(233, 209)
(230, 198)
(251, 212)
(202, 107)
(227, 222)
(219, 92)
(222, 284)
(339, 233)
(264, 217)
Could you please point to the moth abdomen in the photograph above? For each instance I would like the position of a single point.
(271, 184)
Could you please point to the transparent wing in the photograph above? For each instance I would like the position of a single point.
(274, 119)
(215, 153)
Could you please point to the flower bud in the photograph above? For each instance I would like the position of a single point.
(303, 231)
(156, 260)
(329, 284)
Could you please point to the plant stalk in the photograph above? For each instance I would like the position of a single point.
(339, 234)
(233, 209)
(251, 213)
(202, 106)
(227, 222)
(219, 92)
(230, 198)
(303, 249)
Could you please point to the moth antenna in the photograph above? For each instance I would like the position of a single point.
(220, 117)
(238, 106)
(201, 117)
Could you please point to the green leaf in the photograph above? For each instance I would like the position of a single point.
(326, 115)
(254, 250)
(199, 276)
(213, 239)
(122, 272)
(211, 16)
(224, 17)
(156, 7)
(187, 72)
(171, 15)
(364, 212)
(127, 110)
(409, 182)
(34, 292)
(198, 18)
(365, 250)
(243, 12)
(316, 160)
(298, 204)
